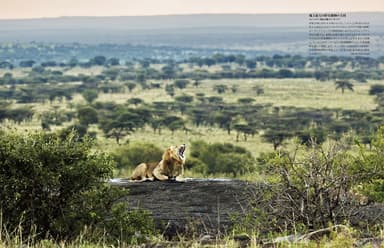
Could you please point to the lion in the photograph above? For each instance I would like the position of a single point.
(171, 167)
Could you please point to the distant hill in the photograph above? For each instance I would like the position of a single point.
(277, 32)
(160, 22)
(175, 21)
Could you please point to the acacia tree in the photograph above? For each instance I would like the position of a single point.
(116, 129)
(120, 124)
(173, 123)
(343, 85)
(181, 83)
(225, 120)
(246, 100)
(245, 129)
(131, 86)
(87, 115)
(135, 101)
(90, 95)
(182, 102)
(170, 89)
(196, 82)
(220, 88)
(276, 137)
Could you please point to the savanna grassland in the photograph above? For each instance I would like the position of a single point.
(298, 92)
(307, 128)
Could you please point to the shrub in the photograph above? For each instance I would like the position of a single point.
(181, 83)
(312, 136)
(314, 184)
(56, 186)
(90, 95)
(369, 166)
(129, 156)
(376, 89)
(222, 158)
(195, 164)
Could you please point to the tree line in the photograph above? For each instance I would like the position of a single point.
(278, 66)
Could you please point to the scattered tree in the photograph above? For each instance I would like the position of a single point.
(343, 85)
(90, 95)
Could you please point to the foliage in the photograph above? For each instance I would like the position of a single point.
(55, 117)
(135, 101)
(80, 129)
(173, 123)
(222, 158)
(16, 114)
(129, 156)
(314, 186)
(87, 115)
(181, 83)
(131, 86)
(370, 167)
(343, 85)
(220, 88)
(90, 95)
(245, 129)
(312, 136)
(376, 89)
(129, 227)
(98, 60)
(315, 182)
(246, 100)
(170, 89)
(119, 121)
(56, 186)
(184, 98)
(276, 137)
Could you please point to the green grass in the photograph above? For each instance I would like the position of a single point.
(344, 238)
(302, 92)
(94, 70)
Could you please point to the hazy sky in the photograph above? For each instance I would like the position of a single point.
(11, 9)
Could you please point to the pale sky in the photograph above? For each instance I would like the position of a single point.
(15, 9)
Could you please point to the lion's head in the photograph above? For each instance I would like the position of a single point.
(175, 154)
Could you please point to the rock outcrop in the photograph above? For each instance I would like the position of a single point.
(207, 206)
(196, 206)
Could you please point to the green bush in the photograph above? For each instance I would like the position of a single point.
(222, 158)
(313, 136)
(90, 95)
(195, 164)
(56, 186)
(129, 156)
(87, 115)
(131, 227)
(376, 89)
(369, 165)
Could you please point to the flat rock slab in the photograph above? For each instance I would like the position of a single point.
(203, 206)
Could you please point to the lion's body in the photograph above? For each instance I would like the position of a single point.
(144, 172)
(171, 166)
